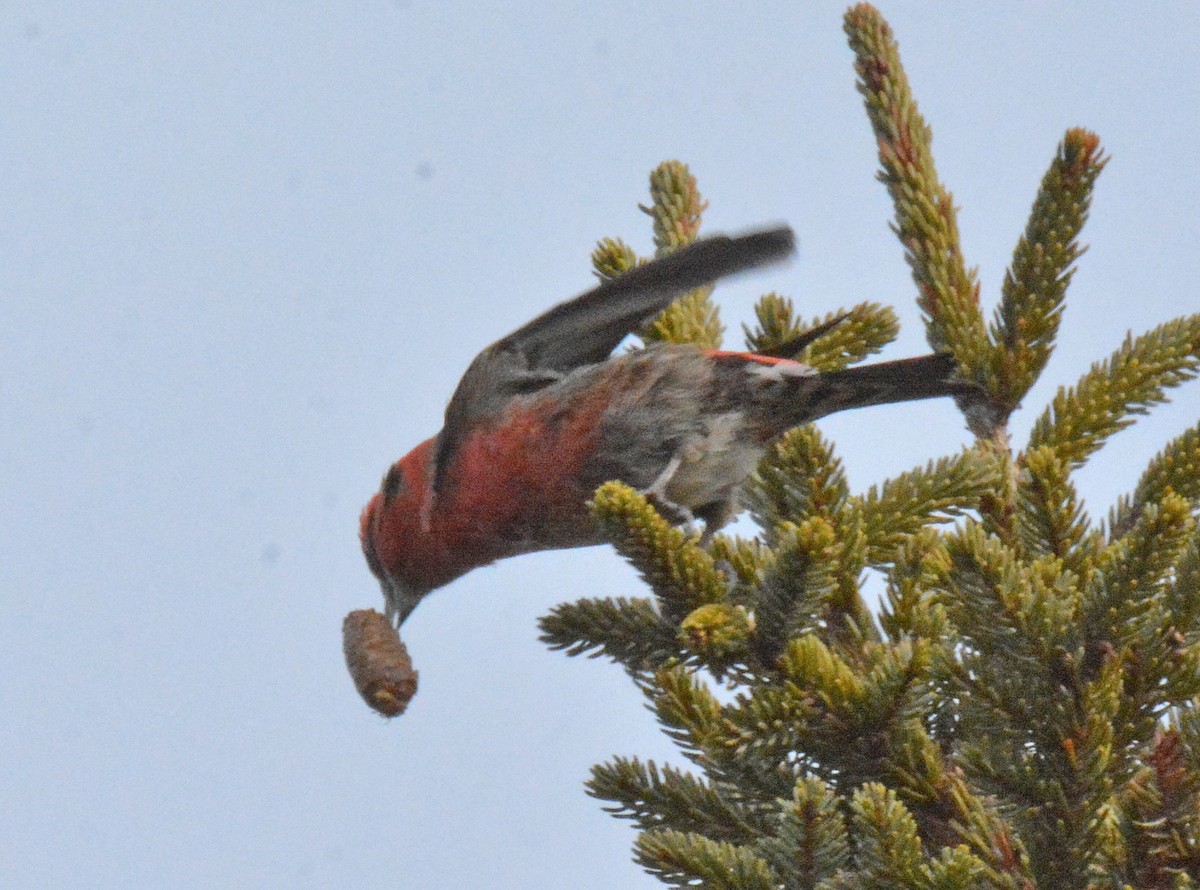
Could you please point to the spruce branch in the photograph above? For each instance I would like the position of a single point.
(676, 208)
(1174, 469)
(1100, 758)
(865, 330)
(800, 476)
(1164, 833)
(1183, 599)
(777, 325)
(1027, 319)
(939, 492)
(1128, 608)
(1177, 667)
(1015, 668)
(1128, 383)
(1007, 732)
(1000, 602)
(1133, 572)
(811, 843)
(950, 814)
(926, 219)
(677, 570)
(718, 634)
(958, 867)
(827, 677)
(683, 859)
(613, 257)
(1069, 832)
(1186, 723)
(706, 733)
(799, 726)
(692, 717)
(1050, 518)
(845, 719)
(799, 585)
(897, 690)
(1112, 851)
(889, 853)
(690, 319)
(629, 631)
(998, 508)
(670, 798)
(854, 334)
(745, 558)
(920, 566)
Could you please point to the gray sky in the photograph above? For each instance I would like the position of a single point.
(247, 249)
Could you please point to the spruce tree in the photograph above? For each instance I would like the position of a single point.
(1020, 711)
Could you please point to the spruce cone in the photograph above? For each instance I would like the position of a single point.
(378, 661)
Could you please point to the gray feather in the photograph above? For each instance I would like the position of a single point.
(587, 329)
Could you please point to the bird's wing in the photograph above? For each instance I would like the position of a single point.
(587, 329)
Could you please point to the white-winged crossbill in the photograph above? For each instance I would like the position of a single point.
(544, 416)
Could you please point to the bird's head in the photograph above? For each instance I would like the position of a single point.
(396, 536)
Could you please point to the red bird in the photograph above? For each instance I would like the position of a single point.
(544, 416)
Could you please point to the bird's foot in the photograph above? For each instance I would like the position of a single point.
(676, 514)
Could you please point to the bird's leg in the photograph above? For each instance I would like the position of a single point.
(716, 516)
(676, 514)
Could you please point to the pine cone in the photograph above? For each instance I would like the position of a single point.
(379, 662)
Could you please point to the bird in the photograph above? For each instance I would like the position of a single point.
(548, 413)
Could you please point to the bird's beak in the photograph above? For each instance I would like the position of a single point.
(400, 600)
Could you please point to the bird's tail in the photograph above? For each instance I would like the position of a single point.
(926, 377)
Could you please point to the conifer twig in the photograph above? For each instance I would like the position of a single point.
(1174, 469)
(676, 208)
(1110, 395)
(1035, 285)
(629, 631)
(666, 797)
(926, 219)
(677, 570)
(861, 331)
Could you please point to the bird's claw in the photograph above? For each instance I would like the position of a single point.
(676, 514)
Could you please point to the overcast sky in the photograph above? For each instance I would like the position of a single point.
(247, 249)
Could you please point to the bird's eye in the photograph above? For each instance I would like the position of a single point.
(393, 482)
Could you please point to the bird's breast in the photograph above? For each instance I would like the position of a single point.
(517, 485)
